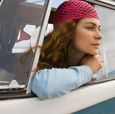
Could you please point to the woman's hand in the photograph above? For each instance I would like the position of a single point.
(95, 62)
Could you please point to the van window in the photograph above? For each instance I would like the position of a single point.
(107, 44)
(19, 19)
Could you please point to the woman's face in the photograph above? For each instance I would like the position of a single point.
(88, 36)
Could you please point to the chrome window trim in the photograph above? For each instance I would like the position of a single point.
(1, 2)
(40, 41)
(100, 80)
(101, 3)
(108, 1)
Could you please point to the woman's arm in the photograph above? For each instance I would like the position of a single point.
(49, 83)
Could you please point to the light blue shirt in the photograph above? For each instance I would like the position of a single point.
(50, 83)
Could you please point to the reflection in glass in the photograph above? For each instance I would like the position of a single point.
(18, 21)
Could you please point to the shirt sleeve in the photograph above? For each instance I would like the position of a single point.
(50, 83)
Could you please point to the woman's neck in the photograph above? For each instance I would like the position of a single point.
(76, 58)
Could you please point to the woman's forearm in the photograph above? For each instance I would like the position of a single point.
(50, 83)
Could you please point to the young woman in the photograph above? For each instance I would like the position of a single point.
(69, 55)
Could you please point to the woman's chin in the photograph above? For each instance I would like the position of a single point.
(94, 53)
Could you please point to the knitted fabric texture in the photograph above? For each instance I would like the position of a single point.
(74, 9)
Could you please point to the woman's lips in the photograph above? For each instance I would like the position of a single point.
(96, 45)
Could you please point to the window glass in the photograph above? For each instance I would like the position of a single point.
(107, 18)
(19, 20)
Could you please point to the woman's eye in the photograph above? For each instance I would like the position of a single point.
(90, 28)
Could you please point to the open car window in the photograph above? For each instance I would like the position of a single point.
(107, 44)
(20, 22)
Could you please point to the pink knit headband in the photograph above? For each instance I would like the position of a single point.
(74, 9)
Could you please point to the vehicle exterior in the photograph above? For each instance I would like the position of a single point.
(23, 24)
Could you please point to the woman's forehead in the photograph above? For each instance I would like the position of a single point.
(90, 21)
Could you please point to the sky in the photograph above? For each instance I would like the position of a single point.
(56, 3)
(36, 1)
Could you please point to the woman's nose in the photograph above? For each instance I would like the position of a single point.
(98, 35)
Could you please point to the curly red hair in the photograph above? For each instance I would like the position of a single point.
(57, 46)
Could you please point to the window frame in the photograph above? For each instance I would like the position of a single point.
(39, 42)
(101, 3)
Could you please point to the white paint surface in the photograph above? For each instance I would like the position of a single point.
(76, 100)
